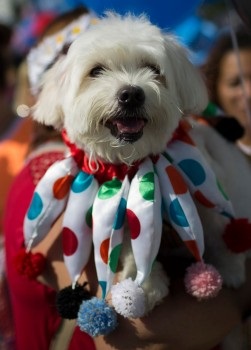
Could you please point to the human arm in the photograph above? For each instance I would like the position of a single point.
(180, 322)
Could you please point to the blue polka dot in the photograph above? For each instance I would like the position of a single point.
(81, 182)
(177, 214)
(120, 215)
(193, 170)
(36, 207)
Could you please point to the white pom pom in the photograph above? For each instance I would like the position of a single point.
(23, 111)
(128, 299)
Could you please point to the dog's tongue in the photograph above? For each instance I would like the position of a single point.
(129, 125)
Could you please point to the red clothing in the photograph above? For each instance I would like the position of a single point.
(13, 150)
(35, 316)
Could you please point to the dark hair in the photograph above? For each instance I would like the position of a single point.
(211, 68)
(6, 60)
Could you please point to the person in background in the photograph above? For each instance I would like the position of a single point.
(14, 131)
(9, 164)
(14, 143)
(227, 73)
(37, 323)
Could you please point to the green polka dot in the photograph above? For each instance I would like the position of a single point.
(146, 186)
(114, 257)
(222, 191)
(109, 189)
(88, 217)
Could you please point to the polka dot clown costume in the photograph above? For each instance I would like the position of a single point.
(96, 205)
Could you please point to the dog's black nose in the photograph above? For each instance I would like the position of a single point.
(131, 96)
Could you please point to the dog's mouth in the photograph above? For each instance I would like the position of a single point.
(128, 129)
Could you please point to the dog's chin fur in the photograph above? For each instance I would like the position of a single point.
(126, 51)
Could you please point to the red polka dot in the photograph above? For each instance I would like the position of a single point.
(203, 200)
(104, 248)
(193, 247)
(62, 186)
(70, 242)
(134, 223)
(179, 185)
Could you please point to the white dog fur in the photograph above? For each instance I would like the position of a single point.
(81, 93)
(71, 93)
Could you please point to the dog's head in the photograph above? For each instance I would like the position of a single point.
(121, 90)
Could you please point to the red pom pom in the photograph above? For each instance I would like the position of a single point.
(203, 281)
(237, 235)
(28, 264)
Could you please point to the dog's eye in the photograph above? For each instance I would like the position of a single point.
(154, 69)
(96, 71)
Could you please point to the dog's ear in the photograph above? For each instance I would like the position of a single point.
(48, 109)
(186, 78)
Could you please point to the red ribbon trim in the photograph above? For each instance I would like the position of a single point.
(105, 171)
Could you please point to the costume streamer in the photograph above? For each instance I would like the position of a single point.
(95, 212)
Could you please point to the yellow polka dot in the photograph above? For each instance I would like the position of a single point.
(76, 30)
(94, 21)
(59, 39)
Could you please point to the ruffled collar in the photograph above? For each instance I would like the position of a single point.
(101, 170)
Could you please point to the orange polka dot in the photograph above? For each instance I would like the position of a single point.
(104, 248)
(179, 185)
(62, 186)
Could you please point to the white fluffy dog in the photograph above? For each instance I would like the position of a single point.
(120, 95)
(120, 92)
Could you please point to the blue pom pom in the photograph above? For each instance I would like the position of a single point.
(96, 317)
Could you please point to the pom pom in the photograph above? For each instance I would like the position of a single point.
(96, 317)
(29, 264)
(128, 299)
(69, 300)
(23, 111)
(237, 235)
(202, 281)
